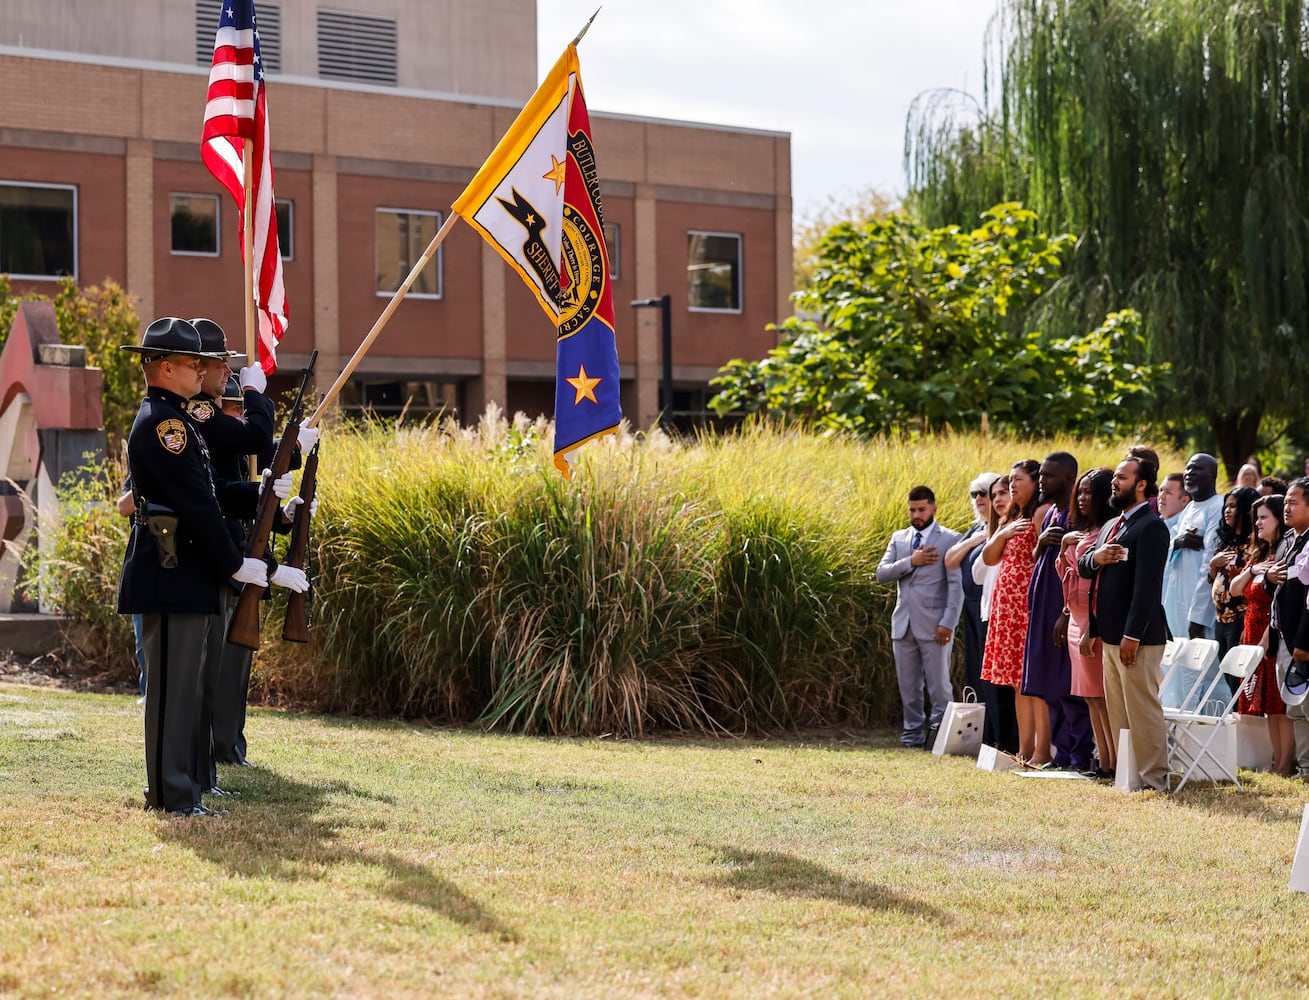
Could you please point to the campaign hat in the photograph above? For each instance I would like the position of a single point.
(214, 338)
(169, 335)
(1293, 681)
(232, 391)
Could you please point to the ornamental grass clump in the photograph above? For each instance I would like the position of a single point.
(76, 570)
(724, 584)
(598, 605)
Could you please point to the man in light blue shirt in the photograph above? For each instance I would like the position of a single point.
(1177, 597)
(1196, 541)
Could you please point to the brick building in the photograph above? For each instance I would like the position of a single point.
(380, 114)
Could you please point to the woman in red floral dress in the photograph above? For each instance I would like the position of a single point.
(1259, 694)
(1013, 547)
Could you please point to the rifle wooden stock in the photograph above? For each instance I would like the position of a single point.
(296, 628)
(244, 627)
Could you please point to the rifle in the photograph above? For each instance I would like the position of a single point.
(296, 628)
(244, 629)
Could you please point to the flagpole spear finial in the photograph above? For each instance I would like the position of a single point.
(587, 26)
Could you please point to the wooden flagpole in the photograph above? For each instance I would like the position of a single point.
(383, 319)
(248, 239)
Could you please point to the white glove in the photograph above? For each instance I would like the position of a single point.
(281, 485)
(294, 503)
(290, 578)
(253, 377)
(308, 436)
(252, 571)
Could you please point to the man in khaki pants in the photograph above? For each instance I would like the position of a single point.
(1127, 574)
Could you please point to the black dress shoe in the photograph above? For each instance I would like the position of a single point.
(193, 811)
(222, 791)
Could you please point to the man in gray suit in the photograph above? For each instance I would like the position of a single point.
(927, 608)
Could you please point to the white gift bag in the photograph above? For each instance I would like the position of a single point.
(961, 727)
(991, 759)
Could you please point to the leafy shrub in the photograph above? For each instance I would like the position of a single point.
(78, 574)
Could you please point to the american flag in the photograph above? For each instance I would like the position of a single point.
(235, 110)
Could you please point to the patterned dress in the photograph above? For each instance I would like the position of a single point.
(1006, 631)
(1259, 694)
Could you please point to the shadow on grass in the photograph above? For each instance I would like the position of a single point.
(277, 830)
(786, 875)
(1261, 797)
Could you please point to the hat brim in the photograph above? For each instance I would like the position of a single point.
(1291, 695)
(165, 352)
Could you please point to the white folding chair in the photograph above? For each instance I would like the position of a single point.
(1172, 647)
(1193, 736)
(1190, 679)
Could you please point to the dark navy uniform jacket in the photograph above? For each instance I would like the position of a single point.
(169, 464)
(230, 441)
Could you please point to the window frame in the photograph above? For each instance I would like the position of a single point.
(438, 260)
(76, 248)
(287, 253)
(218, 225)
(615, 249)
(740, 270)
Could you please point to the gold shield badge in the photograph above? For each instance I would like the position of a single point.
(200, 410)
(172, 435)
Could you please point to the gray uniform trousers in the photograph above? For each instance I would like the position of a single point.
(174, 647)
(206, 769)
(230, 694)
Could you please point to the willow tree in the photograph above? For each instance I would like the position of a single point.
(1174, 136)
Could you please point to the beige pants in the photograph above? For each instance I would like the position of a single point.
(1132, 697)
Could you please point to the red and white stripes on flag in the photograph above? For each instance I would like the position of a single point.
(235, 111)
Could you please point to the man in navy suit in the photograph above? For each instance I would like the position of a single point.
(928, 602)
(1127, 574)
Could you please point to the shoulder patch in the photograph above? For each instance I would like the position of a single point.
(200, 410)
(172, 435)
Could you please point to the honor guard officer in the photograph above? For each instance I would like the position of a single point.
(233, 398)
(178, 556)
(230, 438)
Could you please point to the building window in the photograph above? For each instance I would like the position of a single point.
(713, 271)
(268, 18)
(356, 47)
(194, 224)
(396, 396)
(613, 246)
(402, 236)
(285, 227)
(38, 230)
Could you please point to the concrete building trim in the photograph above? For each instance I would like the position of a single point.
(23, 138)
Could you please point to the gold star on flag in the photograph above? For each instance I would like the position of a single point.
(585, 386)
(557, 172)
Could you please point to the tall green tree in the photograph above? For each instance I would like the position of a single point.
(1173, 134)
(919, 329)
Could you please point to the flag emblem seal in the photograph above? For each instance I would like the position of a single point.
(585, 272)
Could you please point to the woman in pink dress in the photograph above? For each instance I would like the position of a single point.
(1013, 547)
(1259, 693)
(1090, 512)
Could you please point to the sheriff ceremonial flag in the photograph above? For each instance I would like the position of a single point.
(235, 110)
(537, 201)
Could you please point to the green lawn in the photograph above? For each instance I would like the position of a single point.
(383, 859)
